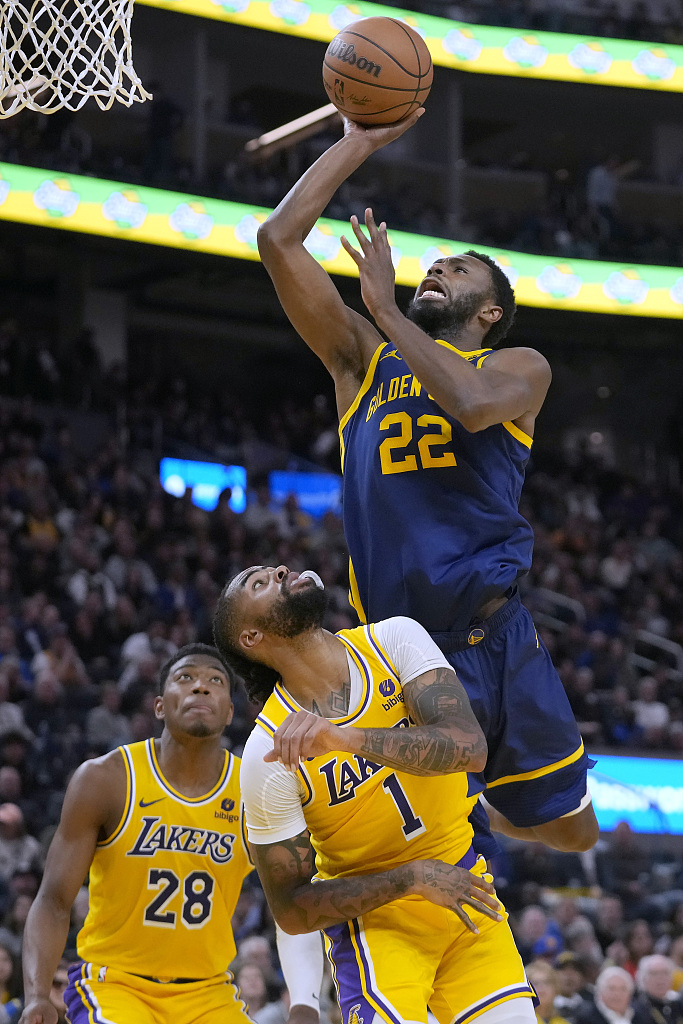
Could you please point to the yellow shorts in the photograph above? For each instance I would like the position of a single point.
(103, 995)
(411, 954)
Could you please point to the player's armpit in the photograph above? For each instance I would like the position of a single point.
(446, 736)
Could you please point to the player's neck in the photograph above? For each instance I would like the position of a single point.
(316, 673)
(463, 338)
(191, 764)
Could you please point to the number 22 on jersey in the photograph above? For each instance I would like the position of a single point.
(435, 433)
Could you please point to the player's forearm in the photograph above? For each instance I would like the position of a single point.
(470, 397)
(45, 935)
(298, 212)
(323, 904)
(422, 749)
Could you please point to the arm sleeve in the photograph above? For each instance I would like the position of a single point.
(272, 795)
(410, 647)
(301, 959)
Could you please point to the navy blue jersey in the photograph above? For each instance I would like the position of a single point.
(430, 510)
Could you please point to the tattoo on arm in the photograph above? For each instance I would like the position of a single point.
(286, 870)
(446, 736)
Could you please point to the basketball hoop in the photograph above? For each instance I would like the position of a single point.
(59, 53)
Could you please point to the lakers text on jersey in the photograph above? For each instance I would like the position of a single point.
(164, 885)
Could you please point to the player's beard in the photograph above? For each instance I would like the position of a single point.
(295, 612)
(445, 319)
(200, 730)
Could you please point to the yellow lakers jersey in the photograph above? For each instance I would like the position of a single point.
(362, 816)
(164, 885)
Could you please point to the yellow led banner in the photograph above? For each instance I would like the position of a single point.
(71, 202)
(454, 44)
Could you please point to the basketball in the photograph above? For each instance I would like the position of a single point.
(377, 71)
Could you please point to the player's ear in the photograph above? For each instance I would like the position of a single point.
(491, 314)
(231, 712)
(250, 638)
(159, 707)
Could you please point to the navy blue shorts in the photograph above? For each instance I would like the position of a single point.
(536, 768)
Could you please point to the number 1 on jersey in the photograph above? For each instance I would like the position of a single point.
(412, 825)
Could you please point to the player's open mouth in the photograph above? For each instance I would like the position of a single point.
(431, 289)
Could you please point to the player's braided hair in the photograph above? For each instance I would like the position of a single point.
(504, 297)
(259, 679)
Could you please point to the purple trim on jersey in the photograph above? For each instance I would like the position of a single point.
(380, 654)
(282, 697)
(478, 1008)
(78, 1001)
(349, 979)
(348, 719)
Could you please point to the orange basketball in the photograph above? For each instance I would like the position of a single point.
(377, 71)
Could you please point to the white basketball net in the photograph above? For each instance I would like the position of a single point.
(58, 53)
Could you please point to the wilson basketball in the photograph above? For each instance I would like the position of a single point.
(377, 71)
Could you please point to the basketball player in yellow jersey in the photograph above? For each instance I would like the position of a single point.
(159, 826)
(356, 772)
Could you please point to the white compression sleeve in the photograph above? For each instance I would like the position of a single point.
(302, 961)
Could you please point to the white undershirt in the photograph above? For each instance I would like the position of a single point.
(272, 795)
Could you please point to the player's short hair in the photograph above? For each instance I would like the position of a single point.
(184, 652)
(259, 680)
(504, 297)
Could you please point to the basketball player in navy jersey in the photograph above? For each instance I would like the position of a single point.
(436, 427)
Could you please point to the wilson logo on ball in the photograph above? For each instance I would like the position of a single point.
(346, 52)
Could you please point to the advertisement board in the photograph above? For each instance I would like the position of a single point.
(207, 480)
(647, 792)
(486, 49)
(74, 202)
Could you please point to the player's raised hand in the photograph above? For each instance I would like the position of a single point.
(381, 135)
(303, 735)
(377, 278)
(452, 887)
(41, 1011)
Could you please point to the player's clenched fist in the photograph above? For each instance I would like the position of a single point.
(39, 1012)
(450, 886)
(302, 735)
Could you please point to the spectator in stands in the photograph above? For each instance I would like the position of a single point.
(651, 715)
(18, 850)
(639, 943)
(655, 1001)
(542, 977)
(573, 996)
(613, 991)
(609, 920)
(59, 984)
(61, 658)
(254, 991)
(106, 728)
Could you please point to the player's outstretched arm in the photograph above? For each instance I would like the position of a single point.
(446, 736)
(510, 385)
(89, 803)
(343, 340)
(299, 905)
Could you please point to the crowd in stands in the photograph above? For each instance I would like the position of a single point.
(654, 21)
(103, 575)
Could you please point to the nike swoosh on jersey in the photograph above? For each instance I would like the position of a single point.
(148, 803)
